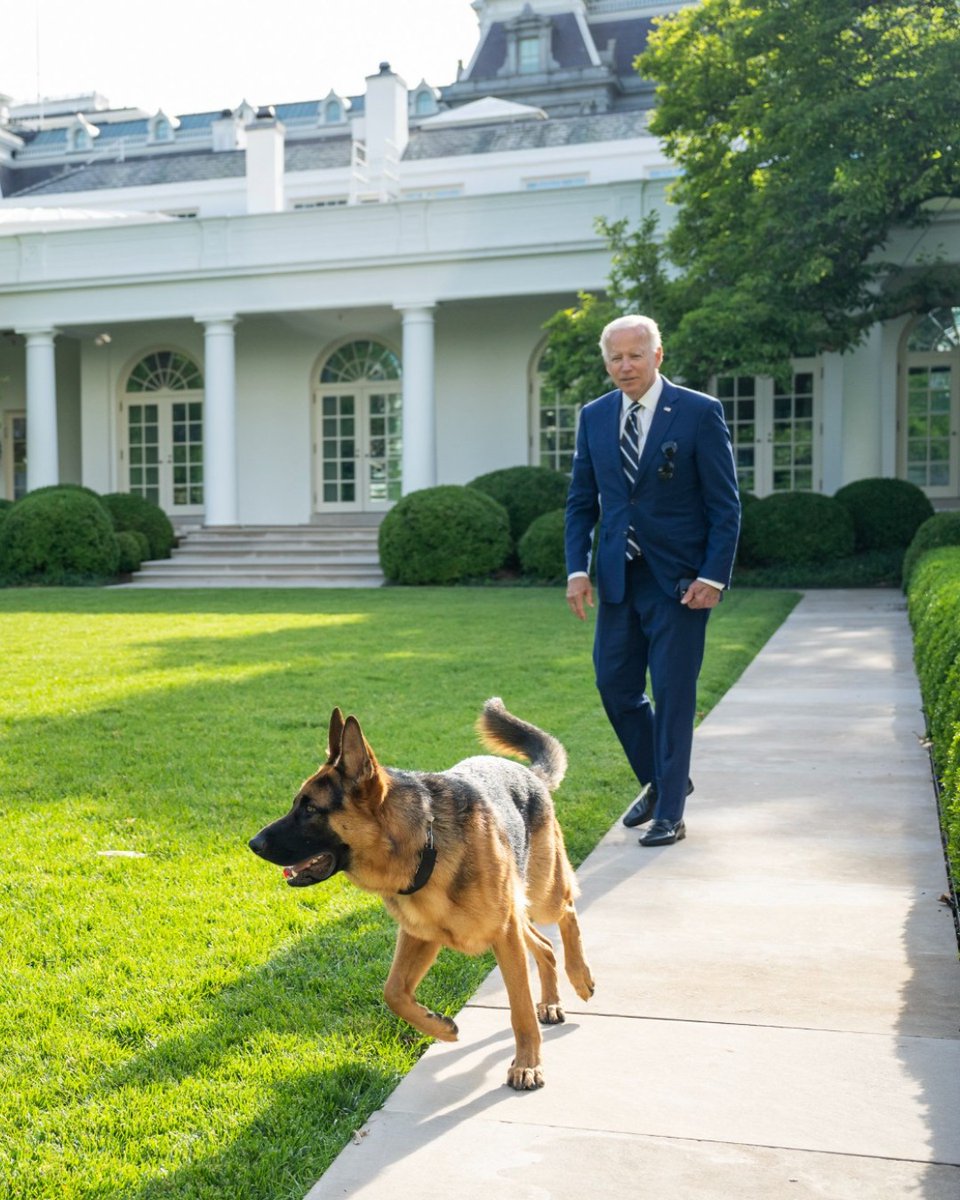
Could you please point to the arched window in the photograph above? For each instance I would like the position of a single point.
(333, 112)
(165, 371)
(938, 331)
(359, 361)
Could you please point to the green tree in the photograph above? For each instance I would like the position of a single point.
(807, 130)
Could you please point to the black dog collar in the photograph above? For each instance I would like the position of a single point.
(428, 859)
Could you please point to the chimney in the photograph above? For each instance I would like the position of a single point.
(265, 167)
(386, 126)
(227, 132)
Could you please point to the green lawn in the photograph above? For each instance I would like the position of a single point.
(181, 1024)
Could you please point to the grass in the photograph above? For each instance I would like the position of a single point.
(181, 1024)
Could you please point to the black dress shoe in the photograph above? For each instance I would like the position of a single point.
(642, 808)
(664, 833)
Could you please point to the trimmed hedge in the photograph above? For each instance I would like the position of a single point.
(58, 536)
(131, 512)
(886, 512)
(525, 492)
(795, 527)
(541, 548)
(130, 552)
(933, 601)
(942, 529)
(443, 535)
(871, 568)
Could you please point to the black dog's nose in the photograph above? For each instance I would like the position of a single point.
(258, 844)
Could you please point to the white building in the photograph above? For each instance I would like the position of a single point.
(294, 315)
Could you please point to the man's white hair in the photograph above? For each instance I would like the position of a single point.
(630, 322)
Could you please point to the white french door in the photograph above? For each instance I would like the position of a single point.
(775, 429)
(358, 441)
(162, 455)
(928, 443)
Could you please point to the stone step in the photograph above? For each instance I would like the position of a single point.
(268, 556)
(279, 555)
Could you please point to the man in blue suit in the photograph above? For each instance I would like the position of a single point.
(654, 463)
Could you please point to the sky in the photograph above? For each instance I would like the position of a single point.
(205, 55)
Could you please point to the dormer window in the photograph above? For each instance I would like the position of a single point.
(425, 101)
(80, 135)
(528, 55)
(529, 44)
(332, 110)
(160, 127)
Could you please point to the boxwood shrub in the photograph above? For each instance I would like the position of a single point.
(58, 536)
(942, 529)
(795, 527)
(130, 552)
(886, 512)
(933, 600)
(541, 548)
(443, 535)
(525, 492)
(132, 512)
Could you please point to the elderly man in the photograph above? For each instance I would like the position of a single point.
(654, 463)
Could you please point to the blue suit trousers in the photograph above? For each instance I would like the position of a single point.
(651, 631)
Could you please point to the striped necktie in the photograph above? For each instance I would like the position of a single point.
(630, 456)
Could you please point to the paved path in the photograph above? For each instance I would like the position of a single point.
(778, 996)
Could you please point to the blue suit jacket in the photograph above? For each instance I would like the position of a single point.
(687, 525)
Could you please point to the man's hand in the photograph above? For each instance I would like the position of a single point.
(701, 595)
(579, 592)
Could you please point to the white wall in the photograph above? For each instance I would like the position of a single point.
(484, 353)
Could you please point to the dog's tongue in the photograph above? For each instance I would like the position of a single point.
(314, 870)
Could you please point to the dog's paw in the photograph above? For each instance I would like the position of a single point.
(446, 1030)
(583, 983)
(524, 1079)
(550, 1014)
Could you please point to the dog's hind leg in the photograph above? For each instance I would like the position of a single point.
(525, 1071)
(574, 963)
(412, 958)
(549, 1010)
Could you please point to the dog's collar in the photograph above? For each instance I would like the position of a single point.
(428, 859)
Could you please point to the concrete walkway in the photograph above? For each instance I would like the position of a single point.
(778, 996)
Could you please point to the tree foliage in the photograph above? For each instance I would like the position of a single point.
(807, 132)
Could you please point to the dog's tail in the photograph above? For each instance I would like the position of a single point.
(503, 731)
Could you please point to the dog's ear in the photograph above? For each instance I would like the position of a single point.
(357, 760)
(335, 735)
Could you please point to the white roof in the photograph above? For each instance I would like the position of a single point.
(484, 111)
(42, 220)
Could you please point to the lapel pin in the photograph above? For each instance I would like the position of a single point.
(668, 410)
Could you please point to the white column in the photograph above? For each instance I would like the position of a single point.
(831, 423)
(219, 421)
(43, 454)
(419, 408)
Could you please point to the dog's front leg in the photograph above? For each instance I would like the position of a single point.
(412, 958)
(525, 1071)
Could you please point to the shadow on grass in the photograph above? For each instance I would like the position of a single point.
(288, 1009)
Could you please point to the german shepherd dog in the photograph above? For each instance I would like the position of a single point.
(467, 858)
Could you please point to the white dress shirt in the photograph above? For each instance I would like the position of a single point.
(648, 406)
